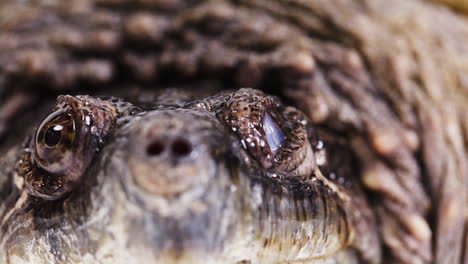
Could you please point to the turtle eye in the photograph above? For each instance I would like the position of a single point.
(65, 144)
(273, 133)
(55, 140)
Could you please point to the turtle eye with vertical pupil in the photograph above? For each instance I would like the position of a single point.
(55, 140)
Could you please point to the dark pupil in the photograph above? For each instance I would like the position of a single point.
(53, 135)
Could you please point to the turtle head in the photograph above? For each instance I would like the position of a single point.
(196, 180)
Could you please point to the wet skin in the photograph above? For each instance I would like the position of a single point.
(382, 83)
(232, 177)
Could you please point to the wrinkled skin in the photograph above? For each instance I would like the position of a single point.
(380, 84)
(194, 182)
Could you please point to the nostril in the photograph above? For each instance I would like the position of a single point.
(155, 148)
(181, 147)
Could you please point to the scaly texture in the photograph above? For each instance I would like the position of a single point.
(390, 76)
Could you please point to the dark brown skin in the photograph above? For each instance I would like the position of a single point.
(387, 78)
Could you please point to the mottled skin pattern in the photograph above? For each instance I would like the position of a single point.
(383, 83)
(142, 199)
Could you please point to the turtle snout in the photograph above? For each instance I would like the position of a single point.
(173, 191)
(168, 155)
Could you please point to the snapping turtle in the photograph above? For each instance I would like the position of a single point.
(350, 146)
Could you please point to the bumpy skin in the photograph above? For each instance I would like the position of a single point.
(387, 78)
(204, 197)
